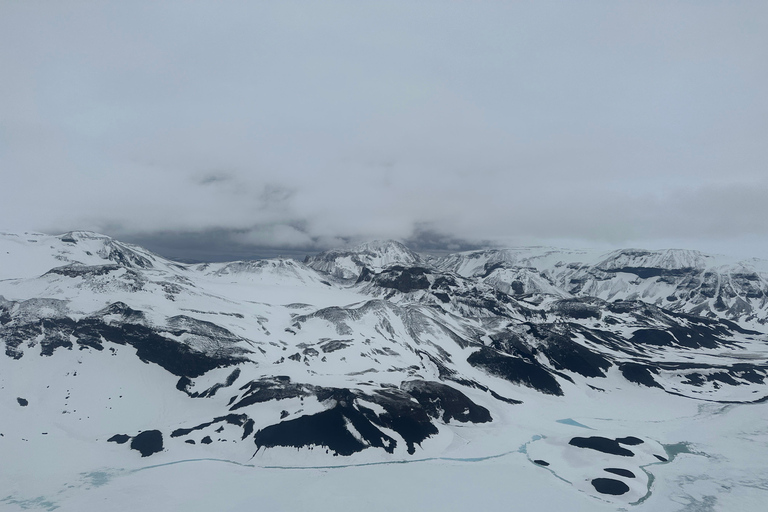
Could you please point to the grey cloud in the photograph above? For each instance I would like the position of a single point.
(214, 178)
(276, 240)
(222, 245)
(455, 125)
(425, 239)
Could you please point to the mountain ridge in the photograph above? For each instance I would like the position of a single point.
(372, 353)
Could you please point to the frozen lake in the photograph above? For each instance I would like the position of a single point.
(716, 462)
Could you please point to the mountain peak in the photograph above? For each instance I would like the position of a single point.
(82, 235)
(383, 247)
(668, 259)
(376, 254)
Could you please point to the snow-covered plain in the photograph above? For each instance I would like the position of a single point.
(697, 431)
(721, 467)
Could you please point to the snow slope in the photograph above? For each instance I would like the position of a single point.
(122, 367)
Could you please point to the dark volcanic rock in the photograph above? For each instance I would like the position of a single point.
(610, 486)
(437, 398)
(696, 336)
(119, 438)
(639, 374)
(328, 429)
(153, 347)
(601, 444)
(334, 345)
(75, 270)
(57, 333)
(275, 388)
(148, 442)
(653, 337)
(565, 354)
(403, 279)
(184, 383)
(405, 417)
(629, 440)
(152, 344)
(442, 297)
(577, 308)
(515, 369)
(409, 411)
(240, 420)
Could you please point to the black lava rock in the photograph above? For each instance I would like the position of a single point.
(148, 442)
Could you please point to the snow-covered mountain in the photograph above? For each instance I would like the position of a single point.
(371, 354)
(32, 254)
(347, 264)
(679, 280)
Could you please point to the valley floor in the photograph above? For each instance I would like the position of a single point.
(717, 462)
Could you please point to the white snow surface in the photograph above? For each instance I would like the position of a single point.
(55, 456)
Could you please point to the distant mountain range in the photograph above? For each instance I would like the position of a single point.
(374, 351)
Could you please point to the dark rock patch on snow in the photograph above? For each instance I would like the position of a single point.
(515, 369)
(75, 270)
(184, 383)
(270, 388)
(577, 308)
(567, 355)
(349, 425)
(696, 336)
(601, 444)
(610, 486)
(158, 345)
(443, 401)
(119, 438)
(403, 279)
(328, 429)
(334, 345)
(629, 440)
(240, 420)
(405, 417)
(639, 374)
(148, 442)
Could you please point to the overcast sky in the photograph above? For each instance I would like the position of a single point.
(212, 130)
